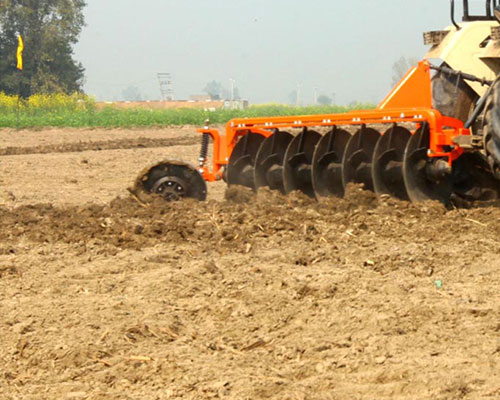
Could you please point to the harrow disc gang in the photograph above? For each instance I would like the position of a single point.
(298, 160)
(173, 180)
(394, 163)
(240, 169)
(327, 163)
(269, 161)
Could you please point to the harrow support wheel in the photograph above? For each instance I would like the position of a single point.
(173, 180)
(387, 163)
(240, 169)
(297, 163)
(357, 160)
(327, 163)
(268, 170)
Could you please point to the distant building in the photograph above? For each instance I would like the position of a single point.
(200, 97)
(236, 104)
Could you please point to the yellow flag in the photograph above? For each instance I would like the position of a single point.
(20, 48)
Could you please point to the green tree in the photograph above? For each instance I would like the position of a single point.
(131, 93)
(214, 89)
(324, 100)
(49, 28)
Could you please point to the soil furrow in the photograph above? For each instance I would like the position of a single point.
(139, 143)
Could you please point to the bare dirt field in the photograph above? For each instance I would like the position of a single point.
(240, 297)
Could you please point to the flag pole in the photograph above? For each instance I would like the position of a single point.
(18, 98)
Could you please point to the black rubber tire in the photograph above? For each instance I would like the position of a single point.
(452, 98)
(492, 128)
(190, 178)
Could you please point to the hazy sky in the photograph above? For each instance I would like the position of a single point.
(267, 46)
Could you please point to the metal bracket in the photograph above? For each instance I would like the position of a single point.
(468, 142)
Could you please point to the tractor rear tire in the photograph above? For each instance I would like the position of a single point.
(492, 128)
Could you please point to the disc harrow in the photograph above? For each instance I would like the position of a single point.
(403, 148)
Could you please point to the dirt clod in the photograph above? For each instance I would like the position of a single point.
(239, 194)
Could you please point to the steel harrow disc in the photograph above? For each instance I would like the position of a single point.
(387, 163)
(240, 169)
(420, 184)
(174, 180)
(268, 170)
(297, 163)
(356, 163)
(327, 163)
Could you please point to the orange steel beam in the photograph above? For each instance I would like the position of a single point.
(409, 102)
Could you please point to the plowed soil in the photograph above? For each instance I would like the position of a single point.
(242, 297)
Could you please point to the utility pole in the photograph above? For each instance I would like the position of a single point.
(315, 96)
(297, 97)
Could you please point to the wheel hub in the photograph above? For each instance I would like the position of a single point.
(170, 187)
